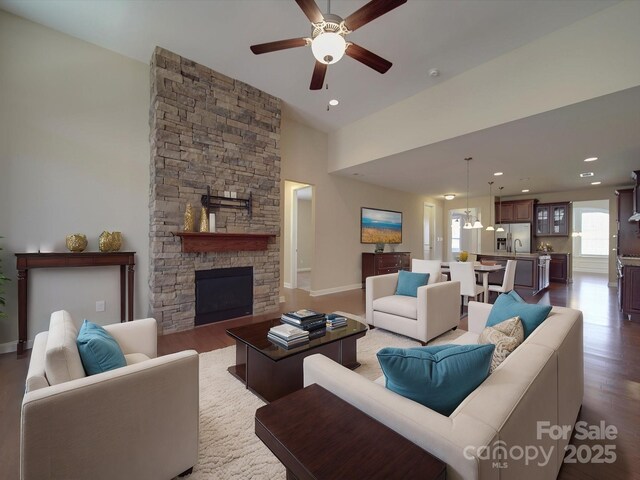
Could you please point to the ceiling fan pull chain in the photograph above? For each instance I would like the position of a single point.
(328, 6)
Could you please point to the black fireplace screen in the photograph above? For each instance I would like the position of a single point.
(223, 293)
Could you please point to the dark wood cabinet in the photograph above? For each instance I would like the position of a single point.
(515, 211)
(631, 290)
(526, 271)
(559, 268)
(553, 219)
(382, 263)
(628, 239)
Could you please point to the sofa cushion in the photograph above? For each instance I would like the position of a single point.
(408, 283)
(400, 305)
(432, 267)
(506, 336)
(438, 377)
(62, 361)
(509, 305)
(99, 351)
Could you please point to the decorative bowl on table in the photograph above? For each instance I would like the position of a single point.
(76, 242)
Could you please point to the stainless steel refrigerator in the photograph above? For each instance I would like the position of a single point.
(516, 237)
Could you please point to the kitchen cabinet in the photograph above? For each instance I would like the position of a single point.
(559, 268)
(515, 211)
(628, 239)
(383, 263)
(553, 219)
(631, 290)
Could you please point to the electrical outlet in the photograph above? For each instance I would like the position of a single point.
(100, 306)
(227, 194)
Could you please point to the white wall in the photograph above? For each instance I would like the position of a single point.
(592, 57)
(74, 153)
(336, 208)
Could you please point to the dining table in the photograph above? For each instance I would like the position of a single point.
(483, 270)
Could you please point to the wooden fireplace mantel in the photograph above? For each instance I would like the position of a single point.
(196, 242)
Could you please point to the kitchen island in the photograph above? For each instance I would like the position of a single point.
(532, 270)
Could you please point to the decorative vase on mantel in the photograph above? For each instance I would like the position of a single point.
(204, 220)
(189, 222)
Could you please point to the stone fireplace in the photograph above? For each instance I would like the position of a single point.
(209, 130)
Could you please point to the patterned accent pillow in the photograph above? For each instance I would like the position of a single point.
(506, 336)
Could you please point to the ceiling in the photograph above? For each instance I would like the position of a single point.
(544, 153)
(452, 36)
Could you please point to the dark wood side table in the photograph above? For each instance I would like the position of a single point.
(317, 435)
(27, 261)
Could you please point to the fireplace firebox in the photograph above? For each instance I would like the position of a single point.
(223, 293)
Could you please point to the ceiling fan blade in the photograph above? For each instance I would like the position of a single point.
(311, 10)
(317, 79)
(279, 45)
(370, 11)
(370, 59)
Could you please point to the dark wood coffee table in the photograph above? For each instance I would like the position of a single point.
(271, 371)
(317, 435)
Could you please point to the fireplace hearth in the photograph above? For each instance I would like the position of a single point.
(223, 293)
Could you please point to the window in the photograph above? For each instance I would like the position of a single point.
(595, 233)
(455, 234)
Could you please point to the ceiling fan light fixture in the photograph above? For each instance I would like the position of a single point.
(328, 47)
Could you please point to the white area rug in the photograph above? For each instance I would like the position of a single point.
(229, 448)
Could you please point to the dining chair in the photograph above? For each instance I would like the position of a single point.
(508, 280)
(464, 273)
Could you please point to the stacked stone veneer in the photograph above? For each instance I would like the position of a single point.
(209, 130)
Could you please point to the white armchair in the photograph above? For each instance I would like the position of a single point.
(430, 314)
(139, 421)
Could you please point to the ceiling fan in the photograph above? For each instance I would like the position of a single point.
(328, 32)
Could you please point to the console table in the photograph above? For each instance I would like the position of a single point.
(27, 261)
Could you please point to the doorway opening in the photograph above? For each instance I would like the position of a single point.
(429, 233)
(590, 238)
(299, 244)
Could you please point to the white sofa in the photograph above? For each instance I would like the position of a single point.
(542, 380)
(430, 314)
(139, 421)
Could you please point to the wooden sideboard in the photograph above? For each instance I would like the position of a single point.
(381, 263)
(27, 261)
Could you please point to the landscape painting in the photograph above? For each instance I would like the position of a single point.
(380, 226)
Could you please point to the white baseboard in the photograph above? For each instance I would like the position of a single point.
(13, 346)
(281, 299)
(287, 285)
(329, 291)
(304, 270)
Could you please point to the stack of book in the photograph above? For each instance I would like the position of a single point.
(335, 321)
(305, 319)
(288, 336)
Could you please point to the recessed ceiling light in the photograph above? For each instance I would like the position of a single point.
(586, 174)
(591, 159)
(497, 174)
(526, 190)
(333, 102)
(596, 183)
(449, 196)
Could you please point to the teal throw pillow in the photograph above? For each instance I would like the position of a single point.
(408, 282)
(98, 350)
(509, 305)
(439, 377)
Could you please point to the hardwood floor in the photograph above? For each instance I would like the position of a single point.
(611, 360)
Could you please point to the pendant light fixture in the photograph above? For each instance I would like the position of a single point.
(467, 224)
(500, 229)
(490, 227)
(467, 220)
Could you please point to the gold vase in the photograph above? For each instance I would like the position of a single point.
(116, 241)
(76, 242)
(189, 221)
(107, 242)
(204, 220)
